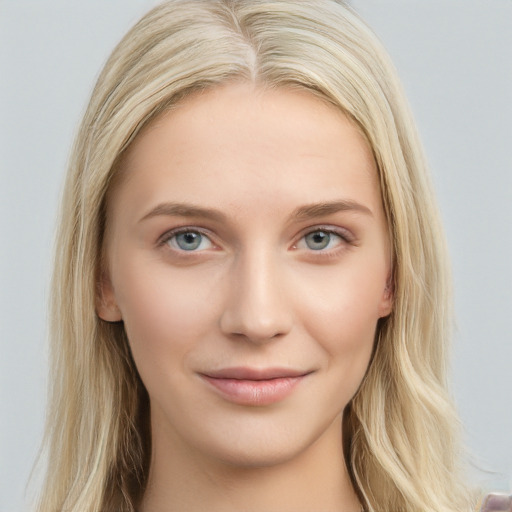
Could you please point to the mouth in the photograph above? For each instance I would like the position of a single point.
(254, 387)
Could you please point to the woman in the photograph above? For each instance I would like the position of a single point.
(251, 299)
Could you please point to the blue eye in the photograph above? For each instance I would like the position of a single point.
(189, 241)
(319, 240)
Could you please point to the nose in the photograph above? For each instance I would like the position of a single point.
(257, 308)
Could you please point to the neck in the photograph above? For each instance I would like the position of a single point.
(315, 479)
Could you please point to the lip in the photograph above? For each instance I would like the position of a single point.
(254, 386)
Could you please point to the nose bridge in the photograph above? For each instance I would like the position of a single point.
(257, 307)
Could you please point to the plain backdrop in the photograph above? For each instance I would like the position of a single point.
(455, 60)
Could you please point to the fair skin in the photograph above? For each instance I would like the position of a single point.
(248, 258)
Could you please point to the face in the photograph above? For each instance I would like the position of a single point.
(248, 258)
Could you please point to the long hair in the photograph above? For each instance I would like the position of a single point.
(400, 430)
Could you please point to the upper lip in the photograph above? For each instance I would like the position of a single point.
(244, 373)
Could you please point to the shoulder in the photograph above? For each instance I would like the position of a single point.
(497, 503)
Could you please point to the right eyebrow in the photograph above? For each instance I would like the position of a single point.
(315, 210)
(183, 210)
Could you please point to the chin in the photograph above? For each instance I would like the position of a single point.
(261, 448)
(252, 457)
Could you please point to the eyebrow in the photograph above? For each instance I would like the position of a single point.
(316, 210)
(301, 213)
(184, 210)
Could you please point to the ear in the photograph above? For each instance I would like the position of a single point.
(388, 295)
(106, 305)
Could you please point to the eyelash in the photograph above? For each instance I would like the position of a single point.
(343, 234)
(164, 239)
(346, 239)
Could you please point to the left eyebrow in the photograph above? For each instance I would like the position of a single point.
(184, 210)
(316, 210)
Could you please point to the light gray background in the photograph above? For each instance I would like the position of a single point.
(455, 59)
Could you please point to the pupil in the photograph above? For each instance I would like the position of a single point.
(318, 240)
(188, 241)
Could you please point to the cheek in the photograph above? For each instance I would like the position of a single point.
(165, 312)
(341, 310)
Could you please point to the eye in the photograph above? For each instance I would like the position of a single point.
(189, 241)
(319, 240)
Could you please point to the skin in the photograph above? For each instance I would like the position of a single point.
(256, 293)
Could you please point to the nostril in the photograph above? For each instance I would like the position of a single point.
(259, 334)
(243, 326)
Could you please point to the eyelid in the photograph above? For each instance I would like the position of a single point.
(343, 233)
(164, 239)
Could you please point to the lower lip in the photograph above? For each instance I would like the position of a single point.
(254, 392)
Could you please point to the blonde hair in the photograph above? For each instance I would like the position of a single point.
(400, 430)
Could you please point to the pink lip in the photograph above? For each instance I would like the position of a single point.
(251, 386)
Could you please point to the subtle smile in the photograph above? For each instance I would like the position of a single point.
(246, 386)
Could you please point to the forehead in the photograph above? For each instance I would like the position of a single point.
(238, 140)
